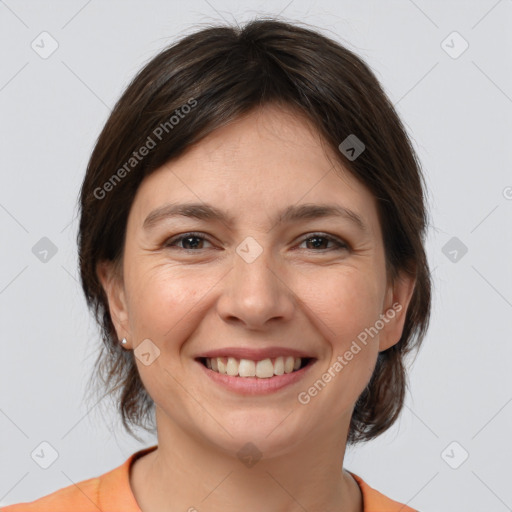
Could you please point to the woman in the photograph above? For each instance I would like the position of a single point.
(252, 244)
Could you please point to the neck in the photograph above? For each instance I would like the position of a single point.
(185, 473)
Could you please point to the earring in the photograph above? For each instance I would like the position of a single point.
(123, 341)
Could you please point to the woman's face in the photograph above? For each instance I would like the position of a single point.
(255, 287)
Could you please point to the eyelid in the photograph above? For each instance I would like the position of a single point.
(339, 242)
(188, 234)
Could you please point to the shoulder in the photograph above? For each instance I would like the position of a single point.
(110, 491)
(375, 501)
(79, 497)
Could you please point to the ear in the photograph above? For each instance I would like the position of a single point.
(398, 297)
(112, 282)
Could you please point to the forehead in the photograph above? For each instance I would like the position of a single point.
(255, 166)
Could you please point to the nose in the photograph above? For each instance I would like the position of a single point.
(255, 294)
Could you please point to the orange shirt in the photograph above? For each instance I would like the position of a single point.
(111, 492)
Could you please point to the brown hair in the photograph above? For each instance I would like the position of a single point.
(222, 73)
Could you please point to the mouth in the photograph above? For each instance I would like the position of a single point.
(260, 369)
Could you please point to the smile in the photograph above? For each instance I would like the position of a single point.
(255, 376)
(262, 369)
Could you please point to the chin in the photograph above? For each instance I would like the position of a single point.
(258, 434)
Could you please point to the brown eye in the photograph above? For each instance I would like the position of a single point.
(319, 241)
(190, 241)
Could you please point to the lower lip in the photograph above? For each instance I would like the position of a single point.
(255, 385)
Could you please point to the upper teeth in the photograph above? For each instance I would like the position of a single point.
(246, 368)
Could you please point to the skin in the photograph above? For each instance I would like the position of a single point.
(315, 297)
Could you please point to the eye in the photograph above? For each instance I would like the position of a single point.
(320, 239)
(317, 241)
(192, 239)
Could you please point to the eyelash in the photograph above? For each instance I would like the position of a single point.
(340, 244)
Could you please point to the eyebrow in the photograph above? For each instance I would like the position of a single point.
(293, 213)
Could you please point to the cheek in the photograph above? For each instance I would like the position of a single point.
(165, 302)
(342, 301)
(166, 306)
(343, 304)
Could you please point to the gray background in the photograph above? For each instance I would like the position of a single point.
(457, 109)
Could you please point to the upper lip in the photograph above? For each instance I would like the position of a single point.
(254, 354)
